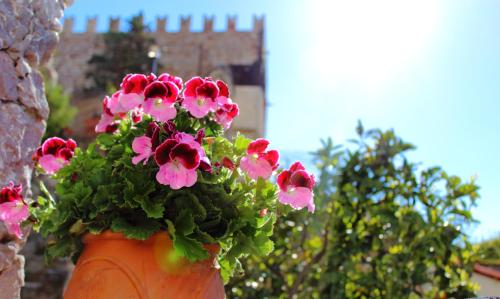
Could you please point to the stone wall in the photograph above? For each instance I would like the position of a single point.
(185, 53)
(232, 55)
(28, 36)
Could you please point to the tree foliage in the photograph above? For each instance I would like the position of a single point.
(489, 251)
(124, 53)
(61, 111)
(383, 228)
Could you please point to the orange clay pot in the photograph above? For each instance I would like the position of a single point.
(114, 267)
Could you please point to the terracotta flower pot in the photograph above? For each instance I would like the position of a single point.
(113, 267)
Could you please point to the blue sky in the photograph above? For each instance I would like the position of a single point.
(429, 69)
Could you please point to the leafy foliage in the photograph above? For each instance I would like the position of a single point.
(489, 251)
(382, 229)
(61, 111)
(125, 52)
(101, 189)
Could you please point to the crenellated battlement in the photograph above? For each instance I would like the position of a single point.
(231, 54)
(162, 25)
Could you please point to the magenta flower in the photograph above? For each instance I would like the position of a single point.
(136, 114)
(160, 99)
(296, 187)
(195, 142)
(11, 193)
(170, 78)
(200, 96)
(178, 162)
(109, 121)
(258, 162)
(131, 95)
(223, 92)
(145, 146)
(13, 209)
(226, 112)
(54, 154)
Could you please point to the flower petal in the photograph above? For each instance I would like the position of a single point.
(191, 86)
(13, 214)
(223, 89)
(11, 193)
(128, 101)
(301, 178)
(176, 176)
(207, 90)
(198, 107)
(186, 155)
(159, 109)
(156, 89)
(143, 147)
(50, 163)
(298, 198)
(256, 168)
(283, 179)
(52, 145)
(162, 152)
(272, 158)
(104, 122)
(258, 146)
(134, 83)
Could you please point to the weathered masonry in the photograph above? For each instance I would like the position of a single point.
(234, 56)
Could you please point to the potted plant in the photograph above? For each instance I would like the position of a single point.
(162, 204)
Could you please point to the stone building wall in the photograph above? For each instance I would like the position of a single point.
(231, 55)
(28, 35)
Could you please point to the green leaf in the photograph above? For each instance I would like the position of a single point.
(106, 140)
(184, 224)
(152, 209)
(189, 248)
(139, 231)
(241, 143)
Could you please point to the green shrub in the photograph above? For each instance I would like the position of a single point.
(383, 228)
(61, 112)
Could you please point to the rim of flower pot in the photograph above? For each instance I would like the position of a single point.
(88, 238)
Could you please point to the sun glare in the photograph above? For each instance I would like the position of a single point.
(364, 44)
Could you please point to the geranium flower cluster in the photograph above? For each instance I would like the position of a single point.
(54, 153)
(178, 156)
(151, 107)
(13, 209)
(162, 96)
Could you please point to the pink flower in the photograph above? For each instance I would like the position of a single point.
(178, 163)
(200, 96)
(136, 115)
(134, 83)
(195, 142)
(11, 193)
(145, 146)
(160, 99)
(226, 112)
(131, 95)
(142, 146)
(109, 121)
(223, 92)
(296, 187)
(13, 209)
(170, 78)
(54, 154)
(258, 162)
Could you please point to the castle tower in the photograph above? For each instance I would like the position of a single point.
(231, 55)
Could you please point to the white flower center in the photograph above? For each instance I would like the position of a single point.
(158, 102)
